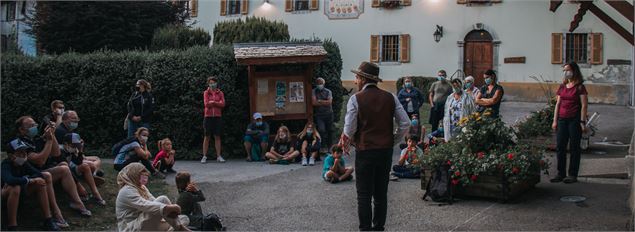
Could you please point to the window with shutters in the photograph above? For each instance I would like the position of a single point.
(192, 7)
(478, 2)
(389, 48)
(576, 48)
(233, 7)
(301, 5)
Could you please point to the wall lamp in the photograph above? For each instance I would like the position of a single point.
(438, 34)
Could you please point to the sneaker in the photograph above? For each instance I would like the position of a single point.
(570, 179)
(273, 161)
(393, 177)
(304, 161)
(557, 179)
(159, 175)
(101, 202)
(283, 162)
(204, 159)
(220, 159)
(61, 223)
(50, 225)
(311, 161)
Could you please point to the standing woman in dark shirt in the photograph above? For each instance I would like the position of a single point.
(140, 107)
(569, 120)
(491, 94)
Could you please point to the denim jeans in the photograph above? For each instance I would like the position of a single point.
(324, 125)
(372, 173)
(569, 132)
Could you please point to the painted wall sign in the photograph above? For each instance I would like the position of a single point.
(297, 92)
(515, 60)
(343, 9)
(618, 62)
(281, 94)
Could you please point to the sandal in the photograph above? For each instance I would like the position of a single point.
(84, 212)
(101, 202)
(61, 223)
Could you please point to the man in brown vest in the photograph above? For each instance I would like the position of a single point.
(369, 124)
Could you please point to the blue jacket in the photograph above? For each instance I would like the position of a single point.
(415, 96)
(17, 175)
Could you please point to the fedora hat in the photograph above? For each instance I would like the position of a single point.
(368, 70)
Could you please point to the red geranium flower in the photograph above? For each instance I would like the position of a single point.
(515, 170)
(481, 155)
(510, 156)
(457, 173)
(455, 181)
(473, 177)
(449, 162)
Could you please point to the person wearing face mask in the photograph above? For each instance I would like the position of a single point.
(57, 109)
(133, 150)
(491, 94)
(323, 111)
(214, 101)
(410, 98)
(418, 130)
(73, 154)
(21, 181)
(439, 92)
(470, 88)
(282, 152)
(138, 210)
(569, 122)
(43, 150)
(458, 105)
(70, 122)
(140, 107)
(257, 133)
(309, 144)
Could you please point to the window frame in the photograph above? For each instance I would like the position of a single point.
(295, 6)
(238, 4)
(575, 48)
(396, 48)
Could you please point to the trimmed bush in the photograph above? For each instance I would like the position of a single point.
(252, 29)
(178, 37)
(98, 86)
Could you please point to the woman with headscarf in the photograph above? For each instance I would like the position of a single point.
(138, 210)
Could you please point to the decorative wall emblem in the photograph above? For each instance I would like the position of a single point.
(343, 9)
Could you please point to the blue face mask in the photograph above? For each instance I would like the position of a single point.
(440, 78)
(32, 132)
(213, 85)
(468, 85)
(408, 85)
(258, 123)
(488, 81)
(414, 122)
(73, 125)
(320, 87)
(309, 132)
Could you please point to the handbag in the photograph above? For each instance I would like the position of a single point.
(125, 122)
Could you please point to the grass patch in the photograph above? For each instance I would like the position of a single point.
(104, 218)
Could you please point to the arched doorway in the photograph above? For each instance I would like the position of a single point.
(478, 54)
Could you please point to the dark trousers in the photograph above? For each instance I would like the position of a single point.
(162, 166)
(436, 115)
(569, 132)
(372, 173)
(324, 123)
(135, 158)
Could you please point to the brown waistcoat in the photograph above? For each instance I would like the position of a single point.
(376, 109)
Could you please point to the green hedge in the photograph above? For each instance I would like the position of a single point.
(252, 29)
(422, 83)
(178, 37)
(98, 86)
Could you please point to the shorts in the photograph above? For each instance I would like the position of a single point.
(212, 126)
(256, 139)
(73, 168)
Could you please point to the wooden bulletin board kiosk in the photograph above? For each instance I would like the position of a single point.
(280, 77)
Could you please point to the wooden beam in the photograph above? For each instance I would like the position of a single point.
(611, 23)
(554, 4)
(623, 7)
(584, 7)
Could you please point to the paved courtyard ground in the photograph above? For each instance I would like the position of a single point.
(263, 197)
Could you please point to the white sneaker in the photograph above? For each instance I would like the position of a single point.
(220, 159)
(304, 163)
(204, 159)
(311, 161)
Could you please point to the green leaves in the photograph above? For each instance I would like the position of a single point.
(178, 37)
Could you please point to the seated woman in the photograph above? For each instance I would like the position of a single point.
(138, 210)
(458, 105)
(282, 152)
(309, 142)
(135, 149)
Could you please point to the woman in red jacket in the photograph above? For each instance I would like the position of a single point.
(214, 101)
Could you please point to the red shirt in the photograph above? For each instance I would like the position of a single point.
(213, 109)
(570, 103)
(162, 154)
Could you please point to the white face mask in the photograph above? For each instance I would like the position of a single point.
(60, 111)
(143, 139)
(283, 136)
(20, 160)
(70, 149)
(568, 74)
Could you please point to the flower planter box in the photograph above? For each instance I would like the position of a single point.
(489, 186)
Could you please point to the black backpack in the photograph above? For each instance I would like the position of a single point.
(120, 144)
(212, 222)
(439, 188)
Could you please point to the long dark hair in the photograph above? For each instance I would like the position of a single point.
(577, 75)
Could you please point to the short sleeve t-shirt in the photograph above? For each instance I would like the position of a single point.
(324, 94)
(412, 156)
(125, 152)
(282, 147)
(162, 154)
(329, 161)
(570, 103)
(442, 90)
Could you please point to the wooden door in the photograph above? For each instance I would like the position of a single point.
(478, 58)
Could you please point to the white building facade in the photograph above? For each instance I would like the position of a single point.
(517, 38)
(13, 26)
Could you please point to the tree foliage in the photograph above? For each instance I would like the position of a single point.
(178, 37)
(252, 29)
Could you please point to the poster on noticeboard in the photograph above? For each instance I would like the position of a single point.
(343, 9)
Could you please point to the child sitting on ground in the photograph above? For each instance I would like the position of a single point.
(189, 196)
(409, 163)
(164, 160)
(282, 152)
(334, 167)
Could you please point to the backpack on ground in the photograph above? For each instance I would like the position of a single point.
(212, 222)
(439, 188)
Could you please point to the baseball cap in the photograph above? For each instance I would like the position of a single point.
(73, 138)
(16, 145)
(257, 115)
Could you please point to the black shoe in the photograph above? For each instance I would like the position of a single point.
(50, 225)
(570, 179)
(557, 179)
(12, 228)
(99, 173)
